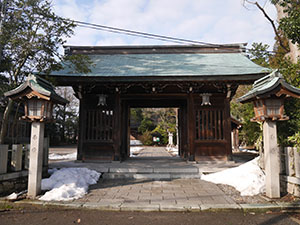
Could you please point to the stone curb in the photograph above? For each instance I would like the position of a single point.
(278, 206)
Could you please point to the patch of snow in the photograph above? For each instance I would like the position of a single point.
(12, 196)
(51, 171)
(71, 156)
(247, 178)
(249, 151)
(172, 150)
(134, 151)
(68, 184)
(135, 142)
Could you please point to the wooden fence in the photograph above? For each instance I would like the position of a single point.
(14, 162)
(290, 171)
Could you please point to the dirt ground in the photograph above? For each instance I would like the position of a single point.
(58, 216)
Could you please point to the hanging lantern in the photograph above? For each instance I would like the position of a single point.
(101, 100)
(205, 99)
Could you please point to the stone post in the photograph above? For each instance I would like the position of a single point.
(16, 157)
(272, 159)
(171, 139)
(36, 159)
(3, 158)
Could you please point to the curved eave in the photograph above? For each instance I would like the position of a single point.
(274, 89)
(67, 79)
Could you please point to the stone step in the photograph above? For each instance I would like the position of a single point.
(151, 170)
(151, 176)
(218, 162)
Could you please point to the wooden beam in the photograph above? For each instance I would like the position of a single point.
(191, 126)
(117, 127)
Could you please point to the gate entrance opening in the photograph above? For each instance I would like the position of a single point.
(153, 132)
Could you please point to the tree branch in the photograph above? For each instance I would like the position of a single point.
(270, 20)
(273, 26)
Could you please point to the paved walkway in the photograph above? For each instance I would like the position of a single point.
(151, 195)
(150, 151)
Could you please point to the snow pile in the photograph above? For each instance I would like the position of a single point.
(71, 156)
(249, 151)
(247, 178)
(12, 196)
(172, 150)
(135, 142)
(68, 184)
(134, 151)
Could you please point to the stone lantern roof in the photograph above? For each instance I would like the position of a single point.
(36, 86)
(270, 85)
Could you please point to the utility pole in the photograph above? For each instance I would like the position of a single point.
(3, 14)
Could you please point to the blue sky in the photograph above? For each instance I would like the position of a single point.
(212, 21)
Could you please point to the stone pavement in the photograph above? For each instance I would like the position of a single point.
(150, 151)
(178, 194)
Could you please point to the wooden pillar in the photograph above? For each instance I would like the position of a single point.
(272, 159)
(36, 159)
(117, 128)
(227, 127)
(81, 131)
(191, 127)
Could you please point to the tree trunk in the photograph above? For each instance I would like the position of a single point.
(294, 53)
(5, 121)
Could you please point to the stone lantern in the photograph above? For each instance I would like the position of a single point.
(267, 95)
(38, 96)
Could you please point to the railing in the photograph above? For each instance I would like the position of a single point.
(16, 159)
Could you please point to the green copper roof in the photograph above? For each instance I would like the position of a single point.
(140, 65)
(39, 85)
(268, 84)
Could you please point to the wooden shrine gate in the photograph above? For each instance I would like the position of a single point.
(123, 77)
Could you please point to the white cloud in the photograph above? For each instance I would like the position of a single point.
(201, 20)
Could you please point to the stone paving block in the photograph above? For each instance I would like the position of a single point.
(146, 207)
(156, 198)
(168, 196)
(207, 200)
(132, 197)
(167, 191)
(166, 202)
(101, 206)
(193, 207)
(205, 207)
(219, 200)
(144, 198)
(286, 205)
(171, 208)
(111, 201)
(260, 206)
